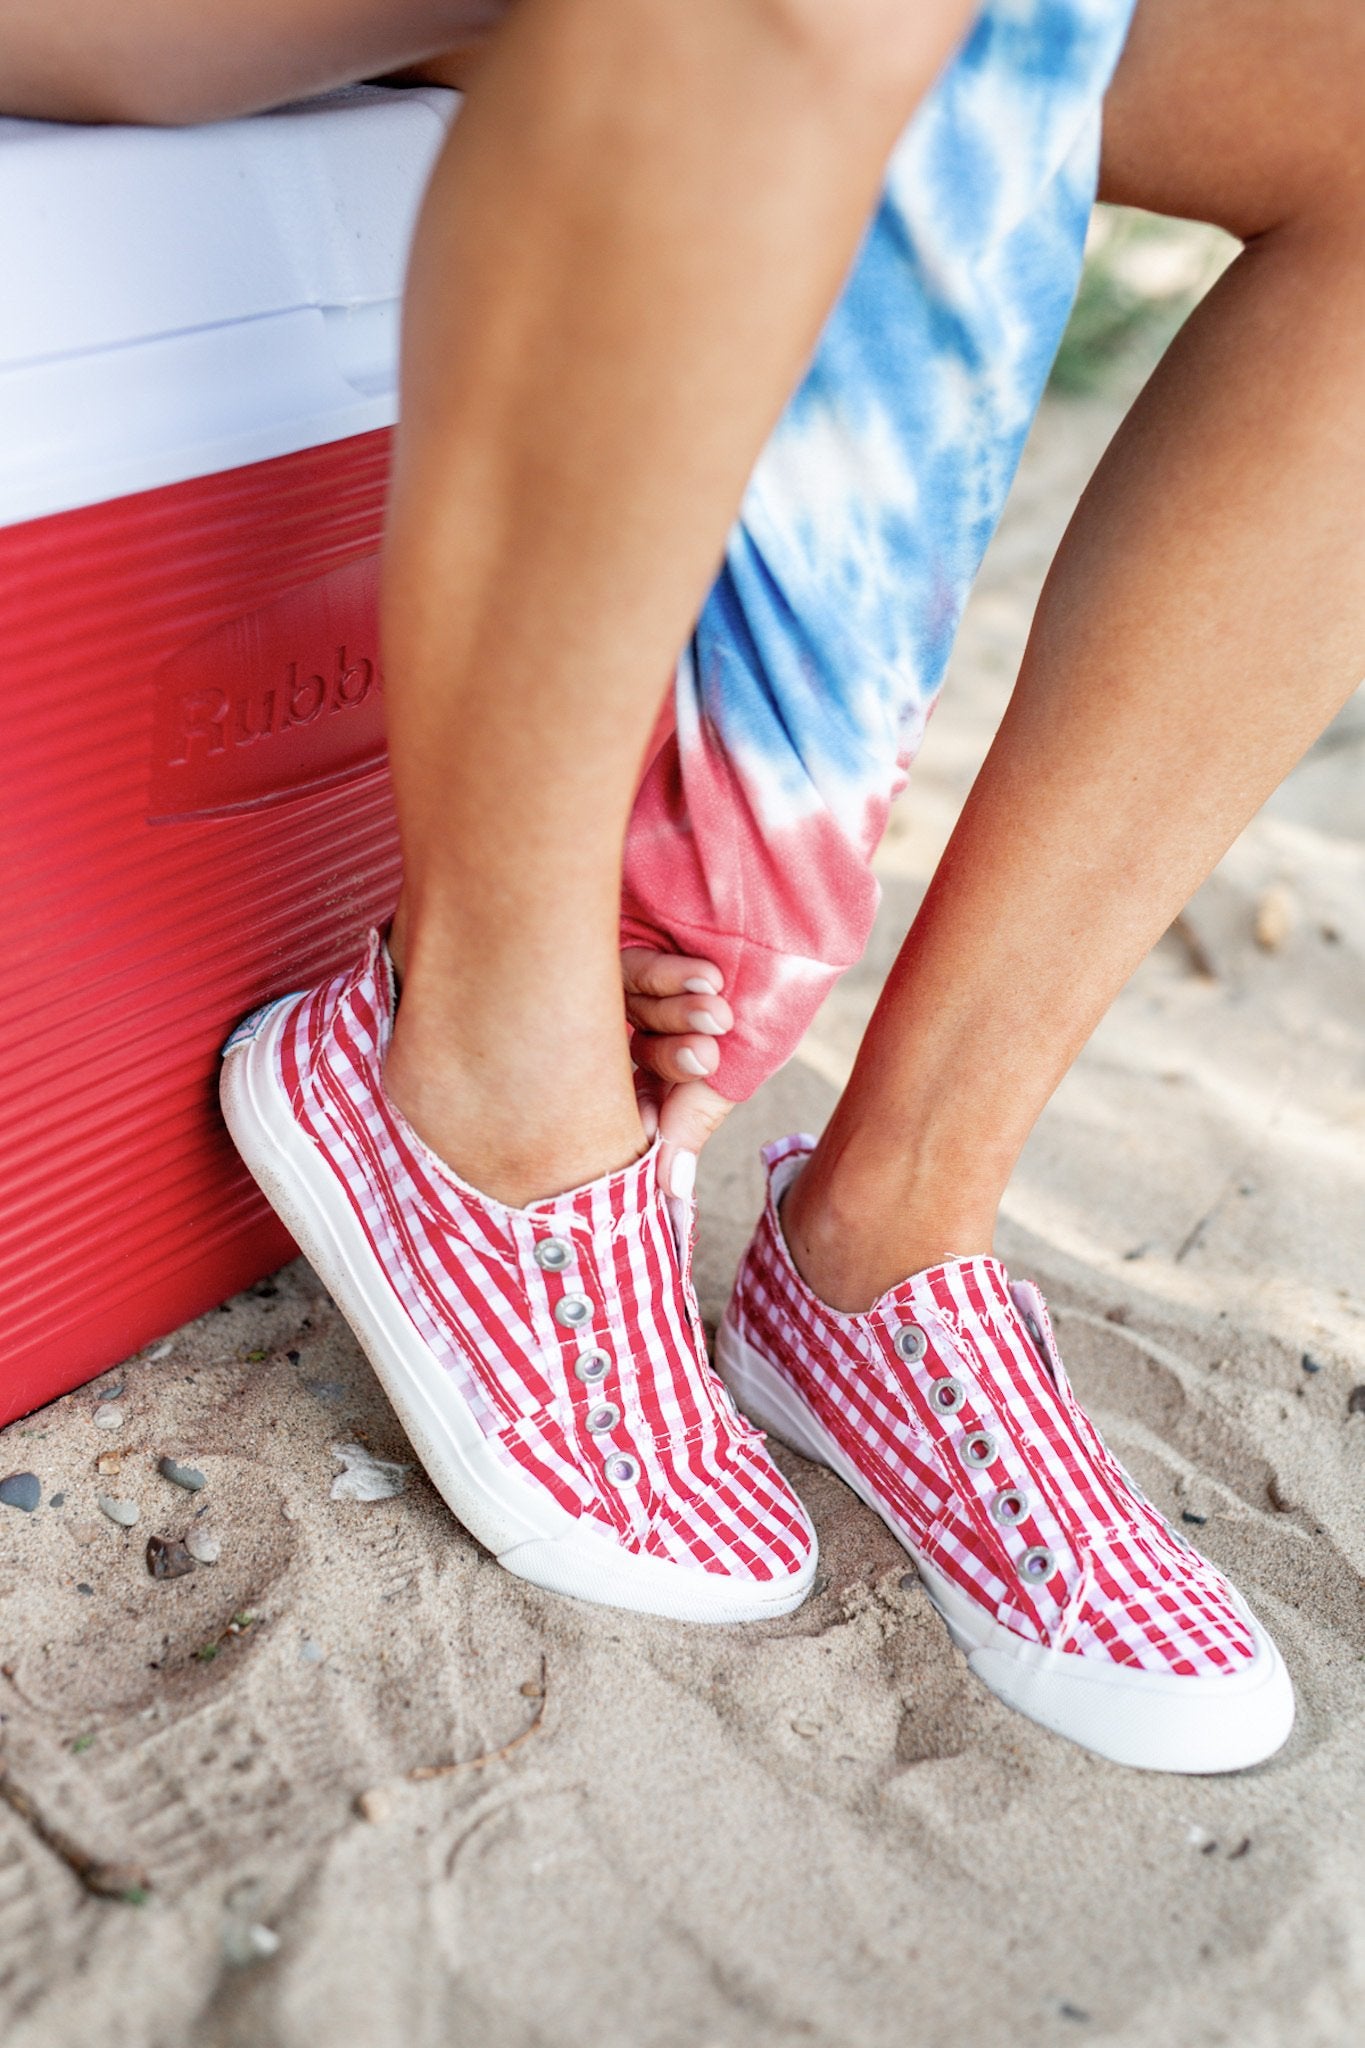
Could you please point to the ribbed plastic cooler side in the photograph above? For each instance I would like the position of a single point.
(194, 816)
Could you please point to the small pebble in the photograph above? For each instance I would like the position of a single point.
(806, 1728)
(311, 1652)
(1309, 1363)
(1355, 1404)
(124, 1512)
(249, 1942)
(365, 1477)
(188, 1476)
(22, 1490)
(109, 1464)
(167, 1557)
(910, 1582)
(56, 1500)
(374, 1806)
(203, 1546)
(1188, 1515)
(81, 1587)
(108, 1416)
(161, 1350)
(1274, 918)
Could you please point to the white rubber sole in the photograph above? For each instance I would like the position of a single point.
(524, 1528)
(1151, 1720)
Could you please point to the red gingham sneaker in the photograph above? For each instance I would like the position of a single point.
(548, 1363)
(946, 1408)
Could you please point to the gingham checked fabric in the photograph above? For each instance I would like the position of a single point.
(570, 1327)
(950, 1398)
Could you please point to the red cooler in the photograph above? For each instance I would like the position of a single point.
(198, 355)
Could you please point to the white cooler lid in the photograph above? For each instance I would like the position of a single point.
(175, 302)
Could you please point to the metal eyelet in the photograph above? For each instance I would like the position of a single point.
(910, 1343)
(947, 1396)
(622, 1470)
(1035, 1330)
(552, 1254)
(573, 1311)
(592, 1366)
(979, 1448)
(603, 1420)
(1037, 1565)
(1009, 1506)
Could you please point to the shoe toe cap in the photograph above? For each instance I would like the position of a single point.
(1153, 1720)
(590, 1566)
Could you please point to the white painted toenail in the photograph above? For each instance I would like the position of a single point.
(702, 1020)
(690, 1063)
(698, 987)
(682, 1176)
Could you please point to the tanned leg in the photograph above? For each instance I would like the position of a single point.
(635, 230)
(641, 219)
(1204, 618)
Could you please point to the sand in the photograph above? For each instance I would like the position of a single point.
(818, 1831)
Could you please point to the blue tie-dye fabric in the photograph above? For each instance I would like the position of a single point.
(823, 642)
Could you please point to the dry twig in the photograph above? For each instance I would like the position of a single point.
(106, 1880)
(421, 1773)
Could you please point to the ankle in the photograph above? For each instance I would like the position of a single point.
(851, 1240)
(523, 1105)
(517, 1137)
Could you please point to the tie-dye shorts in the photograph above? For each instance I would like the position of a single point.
(802, 698)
